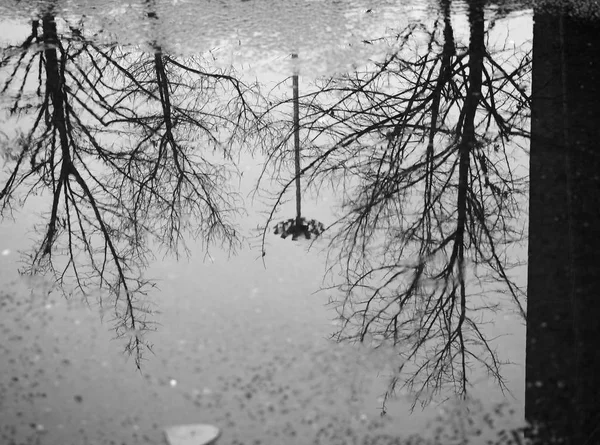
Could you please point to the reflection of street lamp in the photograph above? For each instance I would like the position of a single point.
(299, 225)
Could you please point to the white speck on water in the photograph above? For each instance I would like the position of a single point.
(77, 322)
(173, 383)
(207, 391)
(48, 306)
(40, 427)
(6, 252)
(539, 384)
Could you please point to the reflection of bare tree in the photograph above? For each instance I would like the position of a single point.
(420, 149)
(119, 140)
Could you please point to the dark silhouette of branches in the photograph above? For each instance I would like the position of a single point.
(132, 151)
(420, 147)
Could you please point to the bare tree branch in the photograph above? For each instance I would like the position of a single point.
(420, 149)
(133, 150)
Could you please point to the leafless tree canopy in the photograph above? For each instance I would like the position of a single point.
(420, 147)
(131, 149)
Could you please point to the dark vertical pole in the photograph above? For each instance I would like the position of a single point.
(563, 304)
(297, 142)
(550, 334)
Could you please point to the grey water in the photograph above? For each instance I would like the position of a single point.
(240, 338)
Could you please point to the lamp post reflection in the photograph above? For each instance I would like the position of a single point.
(299, 225)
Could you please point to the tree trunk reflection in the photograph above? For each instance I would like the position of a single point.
(564, 256)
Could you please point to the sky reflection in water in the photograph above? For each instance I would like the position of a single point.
(239, 343)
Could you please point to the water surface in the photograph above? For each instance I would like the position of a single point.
(240, 338)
